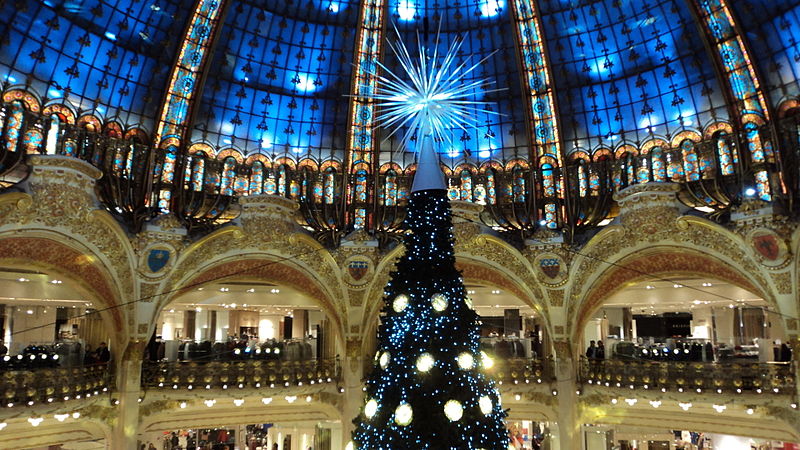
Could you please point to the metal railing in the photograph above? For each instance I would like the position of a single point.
(239, 374)
(47, 385)
(685, 376)
(520, 370)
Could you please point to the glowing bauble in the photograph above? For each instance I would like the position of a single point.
(485, 403)
(439, 302)
(371, 408)
(466, 361)
(488, 362)
(425, 362)
(400, 302)
(384, 360)
(453, 410)
(350, 446)
(403, 414)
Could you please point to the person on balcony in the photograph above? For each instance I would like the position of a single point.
(102, 354)
(591, 352)
(601, 350)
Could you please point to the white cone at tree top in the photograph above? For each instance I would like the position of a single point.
(429, 174)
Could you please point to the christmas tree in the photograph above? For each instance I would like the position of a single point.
(427, 389)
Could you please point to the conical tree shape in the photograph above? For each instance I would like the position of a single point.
(427, 389)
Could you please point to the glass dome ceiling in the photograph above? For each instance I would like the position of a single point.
(279, 75)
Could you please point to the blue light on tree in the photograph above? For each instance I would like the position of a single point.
(428, 389)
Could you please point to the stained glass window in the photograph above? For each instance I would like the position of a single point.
(724, 154)
(14, 126)
(257, 178)
(329, 185)
(390, 188)
(466, 186)
(228, 178)
(690, 161)
(657, 164)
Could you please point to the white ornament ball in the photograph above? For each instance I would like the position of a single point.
(466, 361)
(425, 362)
(384, 360)
(371, 408)
(403, 414)
(453, 410)
(439, 302)
(400, 302)
(485, 403)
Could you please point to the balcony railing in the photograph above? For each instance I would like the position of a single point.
(521, 371)
(48, 385)
(691, 376)
(258, 374)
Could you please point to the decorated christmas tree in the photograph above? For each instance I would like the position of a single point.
(427, 389)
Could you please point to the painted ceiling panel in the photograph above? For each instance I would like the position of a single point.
(109, 56)
(628, 70)
(279, 78)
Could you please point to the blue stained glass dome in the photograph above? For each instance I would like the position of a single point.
(108, 57)
(573, 74)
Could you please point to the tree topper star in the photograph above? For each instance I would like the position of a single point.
(435, 100)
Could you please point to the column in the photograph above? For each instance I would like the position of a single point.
(569, 427)
(352, 374)
(129, 374)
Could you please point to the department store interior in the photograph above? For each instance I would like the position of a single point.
(200, 209)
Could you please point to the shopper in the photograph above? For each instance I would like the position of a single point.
(601, 350)
(102, 354)
(591, 352)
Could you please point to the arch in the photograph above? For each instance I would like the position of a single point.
(62, 110)
(650, 144)
(390, 166)
(716, 127)
(786, 106)
(77, 266)
(496, 264)
(28, 99)
(309, 163)
(602, 154)
(263, 267)
(678, 139)
(245, 262)
(113, 129)
(232, 153)
(90, 123)
(662, 261)
(264, 159)
(137, 134)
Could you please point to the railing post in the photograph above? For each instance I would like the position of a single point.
(129, 375)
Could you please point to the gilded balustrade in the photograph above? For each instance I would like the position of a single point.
(520, 370)
(48, 385)
(257, 374)
(691, 376)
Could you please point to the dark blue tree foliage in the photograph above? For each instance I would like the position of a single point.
(428, 314)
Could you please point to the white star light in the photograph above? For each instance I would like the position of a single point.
(435, 99)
